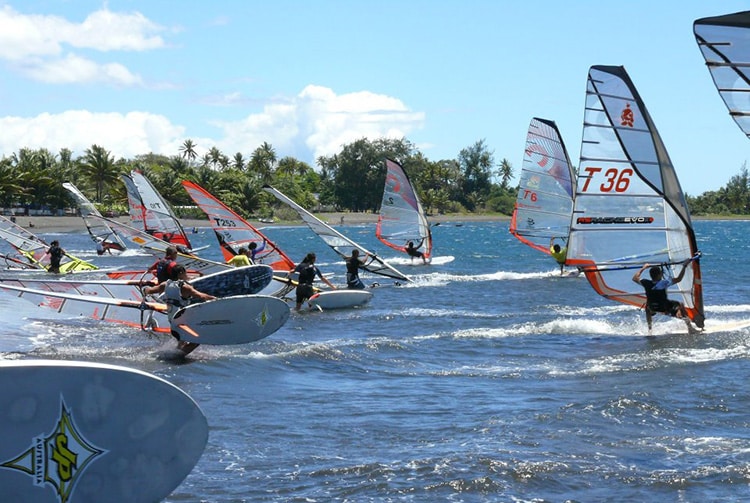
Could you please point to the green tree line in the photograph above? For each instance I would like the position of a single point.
(350, 180)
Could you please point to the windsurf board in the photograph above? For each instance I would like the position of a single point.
(231, 320)
(235, 281)
(731, 326)
(81, 431)
(340, 299)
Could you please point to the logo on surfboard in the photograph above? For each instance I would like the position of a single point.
(59, 458)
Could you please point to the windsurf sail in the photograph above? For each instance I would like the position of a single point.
(99, 230)
(234, 232)
(402, 218)
(116, 303)
(341, 244)
(34, 249)
(724, 42)
(155, 246)
(545, 193)
(148, 208)
(629, 207)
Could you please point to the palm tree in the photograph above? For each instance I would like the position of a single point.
(505, 172)
(239, 162)
(99, 166)
(263, 161)
(188, 150)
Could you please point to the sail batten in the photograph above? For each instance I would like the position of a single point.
(629, 206)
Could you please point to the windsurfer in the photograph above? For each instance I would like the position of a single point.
(254, 250)
(241, 259)
(177, 293)
(163, 267)
(558, 253)
(413, 251)
(353, 263)
(55, 253)
(656, 295)
(307, 271)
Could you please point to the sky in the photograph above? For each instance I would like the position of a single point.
(308, 77)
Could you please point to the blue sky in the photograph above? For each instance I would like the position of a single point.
(138, 76)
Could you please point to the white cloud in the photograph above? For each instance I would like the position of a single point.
(35, 44)
(124, 135)
(316, 122)
(75, 69)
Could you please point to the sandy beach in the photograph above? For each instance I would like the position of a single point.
(39, 224)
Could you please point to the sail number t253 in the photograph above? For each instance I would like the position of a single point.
(615, 180)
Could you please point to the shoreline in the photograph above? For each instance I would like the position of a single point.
(37, 224)
(76, 224)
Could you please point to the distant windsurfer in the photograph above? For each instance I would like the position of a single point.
(55, 253)
(656, 295)
(177, 293)
(413, 251)
(307, 271)
(558, 253)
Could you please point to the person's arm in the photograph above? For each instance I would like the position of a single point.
(637, 275)
(261, 248)
(682, 273)
(189, 290)
(324, 279)
(151, 290)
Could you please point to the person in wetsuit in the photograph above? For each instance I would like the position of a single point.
(307, 270)
(656, 295)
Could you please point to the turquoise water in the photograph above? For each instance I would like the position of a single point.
(488, 378)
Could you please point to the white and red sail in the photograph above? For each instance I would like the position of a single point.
(629, 207)
(546, 190)
(234, 232)
(402, 218)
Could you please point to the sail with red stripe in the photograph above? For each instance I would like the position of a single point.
(546, 190)
(149, 210)
(402, 218)
(629, 207)
(234, 232)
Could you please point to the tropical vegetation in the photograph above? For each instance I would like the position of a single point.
(350, 180)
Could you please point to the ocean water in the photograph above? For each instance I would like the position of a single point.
(489, 378)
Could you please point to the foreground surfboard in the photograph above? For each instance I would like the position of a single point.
(340, 299)
(231, 320)
(90, 432)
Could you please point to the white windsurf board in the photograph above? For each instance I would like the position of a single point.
(88, 432)
(231, 320)
(340, 299)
